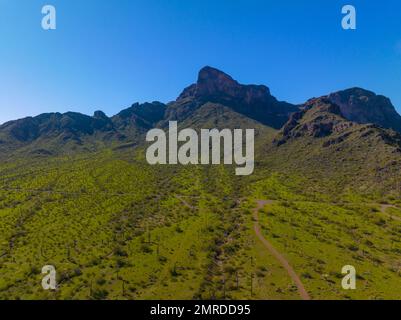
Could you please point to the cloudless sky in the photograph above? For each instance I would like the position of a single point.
(108, 54)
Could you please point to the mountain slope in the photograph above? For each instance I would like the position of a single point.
(55, 133)
(116, 227)
(339, 155)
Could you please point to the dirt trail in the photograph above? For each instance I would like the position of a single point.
(301, 289)
(383, 209)
(184, 202)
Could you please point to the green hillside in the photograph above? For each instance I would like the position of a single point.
(77, 193)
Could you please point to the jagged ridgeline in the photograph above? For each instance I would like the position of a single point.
(351, 126)
(77, 192)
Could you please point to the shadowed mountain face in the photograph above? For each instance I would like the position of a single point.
(320, 144)
(71, 125)
(363, 106)
(320, 118)
(53, 124)
(215, 100)
(253, 101)
(145, 115)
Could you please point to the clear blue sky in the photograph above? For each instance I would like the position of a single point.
(107, 54)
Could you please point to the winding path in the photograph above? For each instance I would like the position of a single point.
(284, 262)
(383, 209)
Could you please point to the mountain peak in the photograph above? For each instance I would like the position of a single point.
(215, 85)
(209, 71)
(254, 101)
(363, 106)
(210, 74)
(99, 115)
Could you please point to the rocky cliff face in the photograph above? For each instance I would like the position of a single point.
(253, 101)
(364, 107)
(216, 86)
(323, 120)
(318, 118)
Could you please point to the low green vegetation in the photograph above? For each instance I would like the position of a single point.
(117, 228)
